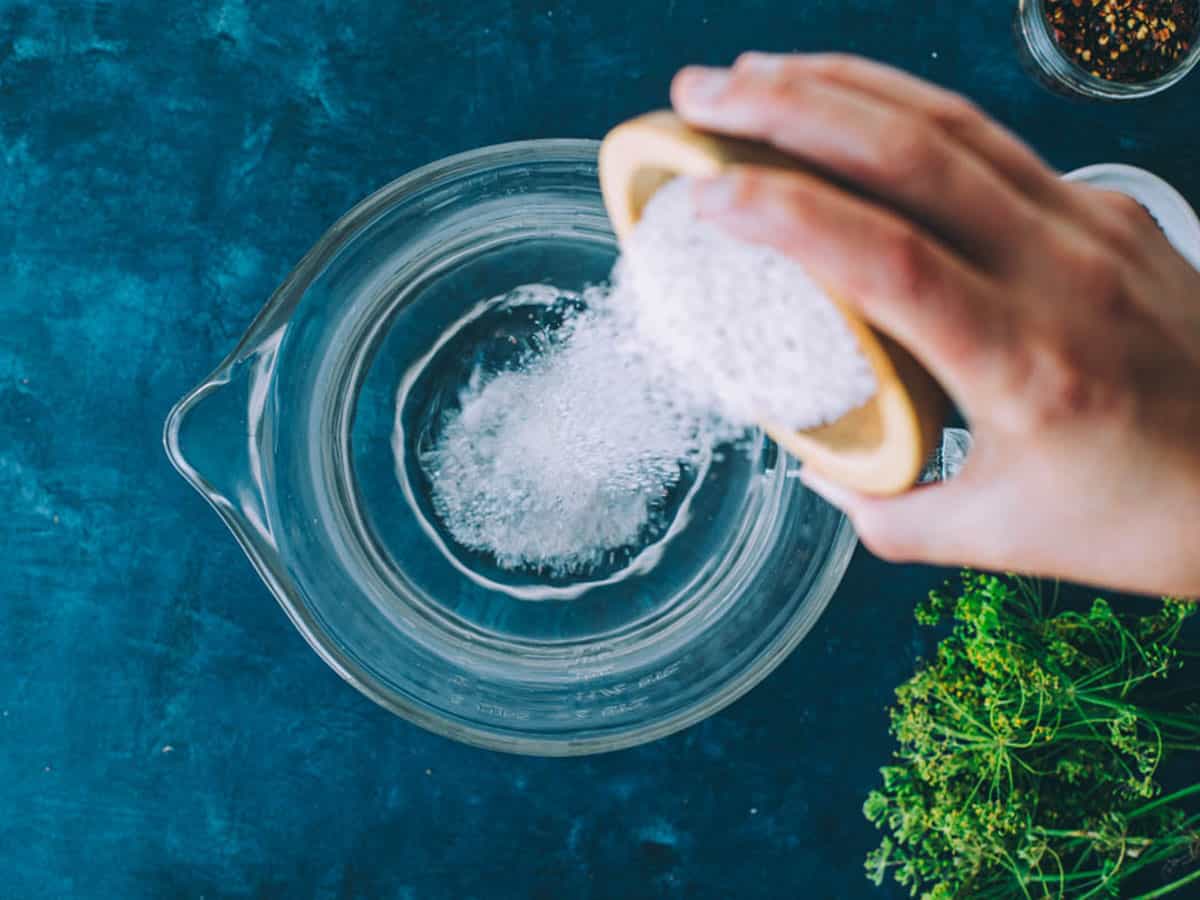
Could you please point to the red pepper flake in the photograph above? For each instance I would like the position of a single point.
(1124, 40)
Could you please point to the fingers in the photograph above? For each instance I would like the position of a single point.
(878, 146)
(950, 112)
(913, 527)
(988, 522)
(940, 524)
(898, 277)
(1122, 231)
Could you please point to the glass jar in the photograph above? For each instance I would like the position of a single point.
(1043, 57)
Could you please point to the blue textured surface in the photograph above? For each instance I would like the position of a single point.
(163, 730)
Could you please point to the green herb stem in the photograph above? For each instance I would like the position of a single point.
(1163, 801)
(1170, 888)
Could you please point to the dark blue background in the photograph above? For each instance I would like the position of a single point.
(163, 729)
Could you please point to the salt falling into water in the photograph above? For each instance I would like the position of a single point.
(570, 457)
(557, 463)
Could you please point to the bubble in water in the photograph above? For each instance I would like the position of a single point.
(567, 456)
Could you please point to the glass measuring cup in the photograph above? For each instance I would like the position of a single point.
(290, 441)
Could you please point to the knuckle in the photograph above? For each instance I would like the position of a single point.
(1120, 223)
(907, 263)
(1064, 384)
(779, 96)
(1126, 225)
(1066, 380)
(759, 63)
(1100, 283)
(956, 114)
(747, 59)
(968, 335)
(1127, 208)
(749, 189)
(909, 153)
(834, 66)
(1071, 363)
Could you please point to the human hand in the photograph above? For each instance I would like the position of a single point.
(1058, 318)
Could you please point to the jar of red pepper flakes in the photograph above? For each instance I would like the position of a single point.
(1109, 49)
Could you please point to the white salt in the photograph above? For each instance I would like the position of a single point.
(744, 326)
(555, 465)
(559, 463)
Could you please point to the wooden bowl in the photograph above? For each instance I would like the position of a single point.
(877, 448)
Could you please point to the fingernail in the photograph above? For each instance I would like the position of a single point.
(714, 196)
(761, 63)
(832, 492)
(700, 85)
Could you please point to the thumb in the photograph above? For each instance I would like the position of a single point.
(930, 523)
